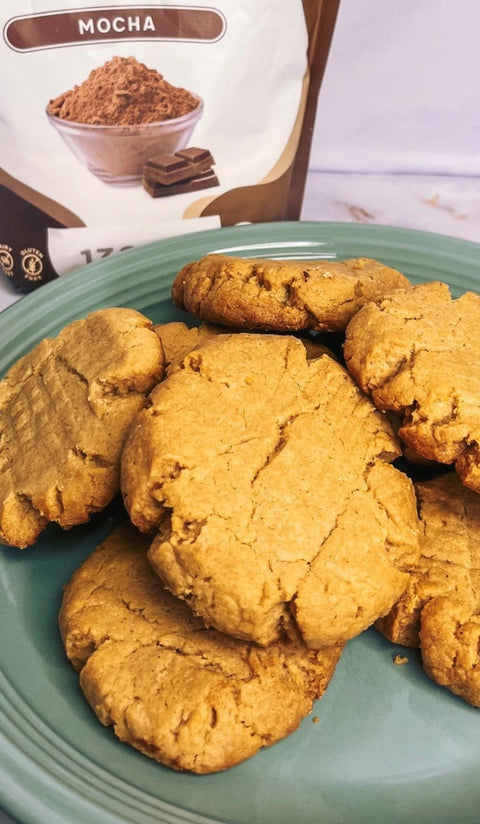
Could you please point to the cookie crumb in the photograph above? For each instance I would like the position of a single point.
(400, 659)
(315, 719)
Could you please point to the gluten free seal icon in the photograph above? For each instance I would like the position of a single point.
(6, 259)
(32, 263)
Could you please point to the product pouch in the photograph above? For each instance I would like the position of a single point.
(123, 124)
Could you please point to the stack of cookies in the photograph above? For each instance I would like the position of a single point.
(270, 512)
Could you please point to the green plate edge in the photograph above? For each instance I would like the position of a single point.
(46, 778)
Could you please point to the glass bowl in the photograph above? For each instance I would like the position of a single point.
(117, 154)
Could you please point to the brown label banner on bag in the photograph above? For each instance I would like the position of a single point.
(48, 30)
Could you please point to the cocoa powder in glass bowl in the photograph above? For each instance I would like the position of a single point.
(121, 115)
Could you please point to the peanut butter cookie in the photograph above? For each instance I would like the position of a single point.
(184, 695)
(417, 353)
(440, 609)
(178, 340)
(64, 411)
(281, 295)
(267, 481)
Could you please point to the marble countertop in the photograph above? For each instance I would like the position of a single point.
(445, 204)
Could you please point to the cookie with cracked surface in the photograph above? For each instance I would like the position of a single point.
(178, 340)
(449, 516)
(267, 480)
(64, 411)
(187, 696)
(416, 353)
(281, 295)
(440, 609)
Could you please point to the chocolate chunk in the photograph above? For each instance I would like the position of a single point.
(195, 155)
(193, 184)
(182, 165)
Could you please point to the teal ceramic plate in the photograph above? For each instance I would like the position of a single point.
(390, 747)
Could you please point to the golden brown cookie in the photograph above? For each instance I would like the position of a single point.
(64, 410)
(416, 353)
(440, 609)
(184, 695)
(267, 481)
(448, 513)
(281, 295)
(418, 467)
(178, 340)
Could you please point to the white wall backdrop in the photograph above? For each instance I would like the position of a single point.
(401, 90)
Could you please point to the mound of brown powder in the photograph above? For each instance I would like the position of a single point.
(123, 92)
